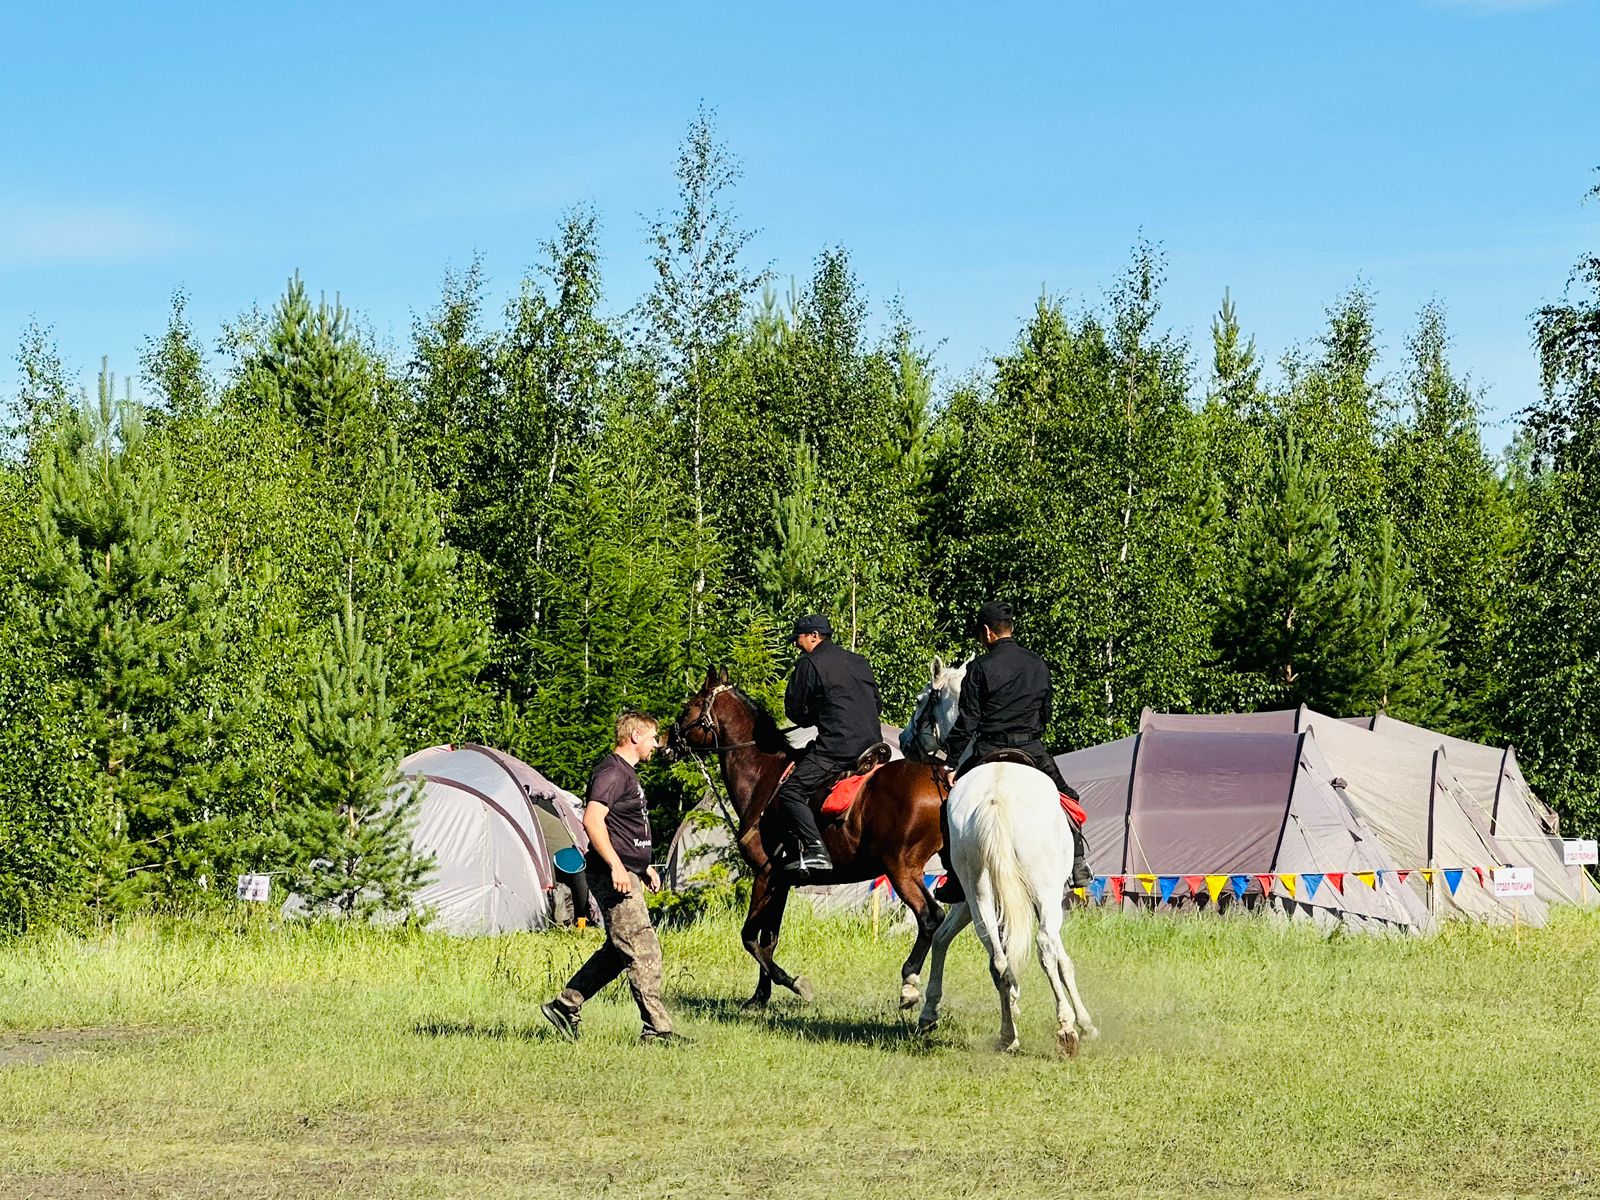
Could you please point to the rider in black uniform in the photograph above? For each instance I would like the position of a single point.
(1005, 702)
(835, 690)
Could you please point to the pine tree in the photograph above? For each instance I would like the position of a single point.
(350, 817)
(1290, 617)
(117, 592)
(791, 569)
(1235, 374)
(1399, 668)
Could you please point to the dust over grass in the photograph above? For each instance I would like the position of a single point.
(1238, 1057)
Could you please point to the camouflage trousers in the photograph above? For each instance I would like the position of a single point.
(631, 945)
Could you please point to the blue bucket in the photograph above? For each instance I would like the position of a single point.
(569, 860)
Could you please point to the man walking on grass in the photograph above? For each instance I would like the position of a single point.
(618, 869)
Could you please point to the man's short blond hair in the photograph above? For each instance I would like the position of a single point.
(631, 722)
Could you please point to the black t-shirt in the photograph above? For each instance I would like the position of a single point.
(615, 784)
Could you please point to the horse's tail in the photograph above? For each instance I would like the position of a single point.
(1013, 892)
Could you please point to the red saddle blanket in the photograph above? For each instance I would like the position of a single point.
(844, 793)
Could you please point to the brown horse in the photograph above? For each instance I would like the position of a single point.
(892, 828)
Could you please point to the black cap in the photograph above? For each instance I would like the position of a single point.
(994, 614)
(812, 624)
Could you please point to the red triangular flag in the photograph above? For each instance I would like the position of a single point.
(1402, 875)
(1336, 878)
(1116, 882)
(1478, 871)
(1266, 882)
(1196, 884)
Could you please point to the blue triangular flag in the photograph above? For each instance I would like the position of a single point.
(1452, 879)
(1239, 883)
(1168, 885)
(1312, 882)
(1097, 888)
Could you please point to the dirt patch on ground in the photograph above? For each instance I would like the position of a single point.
(40, 1045)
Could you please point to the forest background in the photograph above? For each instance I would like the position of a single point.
(232, 601)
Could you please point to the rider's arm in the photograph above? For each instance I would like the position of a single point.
(797, 698)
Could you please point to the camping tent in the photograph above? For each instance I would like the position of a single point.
(493, 824)
(1180, 801)
(1210, 799)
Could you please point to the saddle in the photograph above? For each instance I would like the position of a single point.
(840, 792)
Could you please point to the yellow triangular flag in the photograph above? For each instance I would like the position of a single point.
(1288, 884)
(1215, 884)
(1427, 875)
(1080, 893)
(1149, 882)
(1370, 878)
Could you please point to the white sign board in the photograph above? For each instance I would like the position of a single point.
(255, 887)
(1580, 852)
(1511, 882)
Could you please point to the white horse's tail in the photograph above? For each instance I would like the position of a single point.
(1013, 892)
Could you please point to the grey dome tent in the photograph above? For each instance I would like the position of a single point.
(494, 825)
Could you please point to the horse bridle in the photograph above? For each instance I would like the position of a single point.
(924, 715)
(707, 720)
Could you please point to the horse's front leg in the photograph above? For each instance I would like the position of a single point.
(752, 935)
(928, 915)
(956, 918)
(798, 984)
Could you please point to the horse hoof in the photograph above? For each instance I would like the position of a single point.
(754, 1004)
(802, 988)
(1010, 1047)
(1068, 1044)
(909, 998)
(927, 1028)
(1090, 1033)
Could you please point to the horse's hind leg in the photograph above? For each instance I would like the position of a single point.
(1052, 958)
(987, 927)
(956, 918)
(929, 917)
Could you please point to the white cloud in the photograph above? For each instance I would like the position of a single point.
(73, 234)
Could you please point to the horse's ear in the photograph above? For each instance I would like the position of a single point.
(723, 676)
(711, 678)
(936, 670)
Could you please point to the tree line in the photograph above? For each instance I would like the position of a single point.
(235, 600)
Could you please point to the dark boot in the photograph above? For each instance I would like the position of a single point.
(1081, 875)
(810, 862)
(950, 891)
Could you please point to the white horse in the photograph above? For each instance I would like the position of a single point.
(1012, 847)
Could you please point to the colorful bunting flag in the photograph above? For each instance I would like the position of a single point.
(1194, 883)
(1239, 883)
(1149, 882)
(1427, 875)
(1169, 885)
(1370, 878)
(1215, 884)
(1404, 875)
(1117, 883)
(1380, 875)
(1336, 878)
(1080, 893)
(1097, 888)
(1288, 884)
(1479, 872)
(1312, 880)
(1452, 879)
(1266, 884)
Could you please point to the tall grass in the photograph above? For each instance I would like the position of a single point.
(1239, 1057)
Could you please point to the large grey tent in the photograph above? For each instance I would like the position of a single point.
(1294, 792)
(493, 824)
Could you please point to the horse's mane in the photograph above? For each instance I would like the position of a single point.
(769, 738)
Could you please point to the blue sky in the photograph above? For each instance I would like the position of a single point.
(967, 156)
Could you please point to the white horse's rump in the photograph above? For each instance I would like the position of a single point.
(1011, 845)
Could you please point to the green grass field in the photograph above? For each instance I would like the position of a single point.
(1238, 1057)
